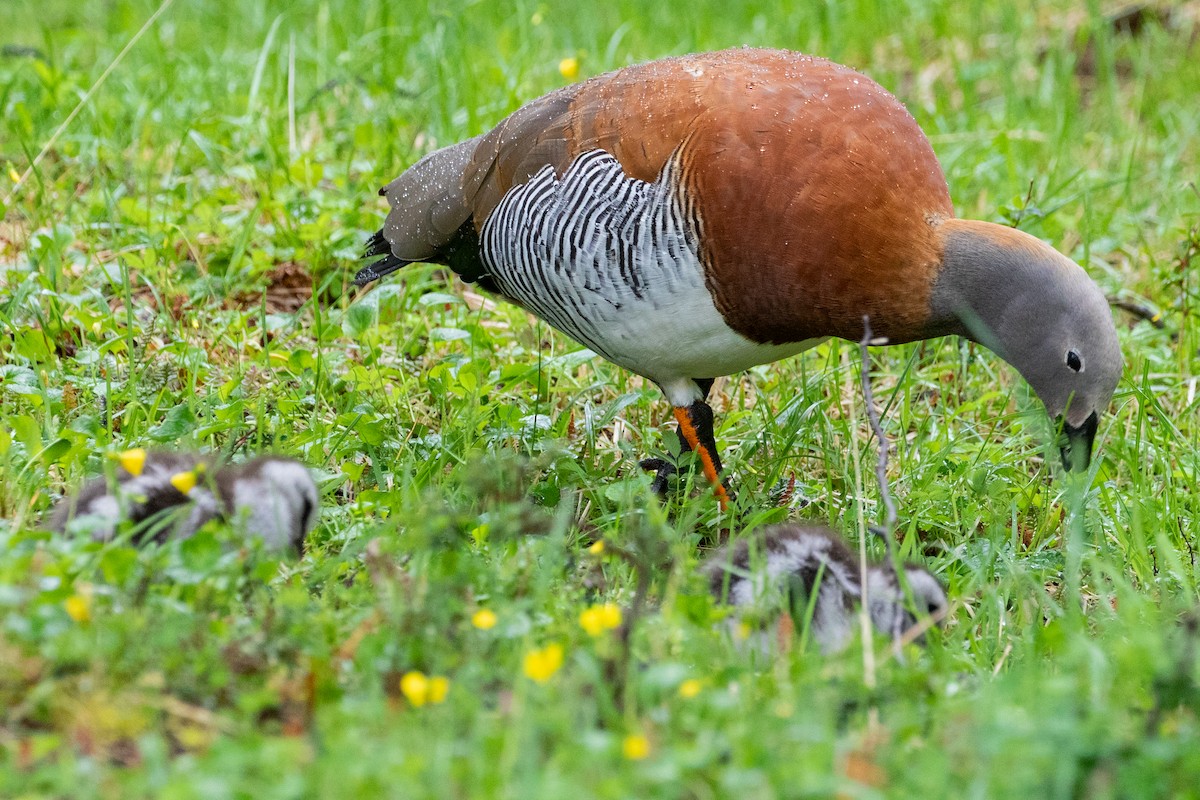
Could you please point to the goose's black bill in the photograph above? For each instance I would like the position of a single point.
(1077, 444)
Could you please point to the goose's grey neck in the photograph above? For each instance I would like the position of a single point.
(991, 276)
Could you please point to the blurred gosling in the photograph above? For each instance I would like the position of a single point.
(171, 495)
(777, 568)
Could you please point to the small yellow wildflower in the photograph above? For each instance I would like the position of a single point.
(690, 688)
(540, 665)
(742, 631)
(598, 619)
(635, 747)
(193, 738)
(484, 619)
(569, 67)
(610, 615)
(597, 548)
(13, 175)
(79, 607)
(133, 461)
(439, 687)
(415, 687)
(419, 689)
(184, 481)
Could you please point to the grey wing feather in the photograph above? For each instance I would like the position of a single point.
(510, 154)
(435, 197)
(427, 202)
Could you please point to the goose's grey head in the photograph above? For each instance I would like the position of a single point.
(1040, 312)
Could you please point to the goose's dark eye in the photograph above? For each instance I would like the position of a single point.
(1074, 361)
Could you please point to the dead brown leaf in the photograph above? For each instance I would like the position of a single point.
(289, 287)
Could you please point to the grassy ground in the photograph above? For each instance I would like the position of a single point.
(175, 272)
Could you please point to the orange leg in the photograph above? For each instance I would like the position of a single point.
(701, 442)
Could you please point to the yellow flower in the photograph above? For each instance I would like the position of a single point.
(690, 688)
(133, 461)
(598, 619)
(419, 689)
(484, 619)
(415, 687)
(184, 481)
(439, 687)
(742, 631)
(635, 747)
(193, 737)
(569, 67)
(540, 665)
(597, 548)
(13, 175)
(610, 615)
(79, 607)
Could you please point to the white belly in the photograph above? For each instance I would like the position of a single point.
(687, 338)
(613, 262)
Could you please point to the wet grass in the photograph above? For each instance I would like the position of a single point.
(175, 272)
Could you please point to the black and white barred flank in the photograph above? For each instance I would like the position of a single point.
(579, 250)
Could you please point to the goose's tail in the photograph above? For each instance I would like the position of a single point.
(378, 246)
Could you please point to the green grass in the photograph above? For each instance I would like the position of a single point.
(155, 281)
